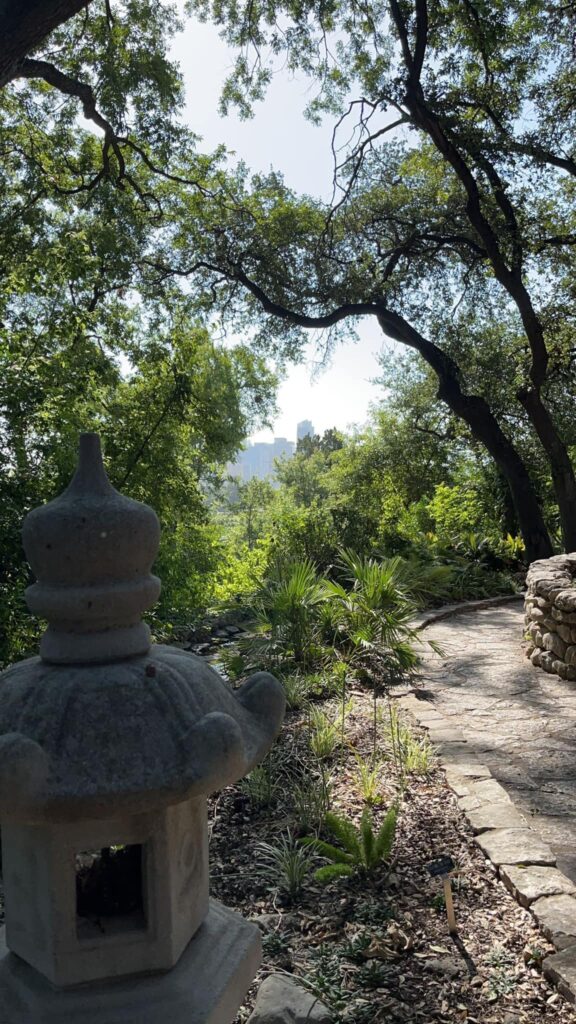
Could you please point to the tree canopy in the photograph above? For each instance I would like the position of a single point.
(451, 223)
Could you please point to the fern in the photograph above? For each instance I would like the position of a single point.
(345, 832)
(332, 871)
(327, 850)
(386, 834)
(360, 849)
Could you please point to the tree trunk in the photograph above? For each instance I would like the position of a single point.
(560, 464)
(484, 426)
(477, 414)
(24, 24)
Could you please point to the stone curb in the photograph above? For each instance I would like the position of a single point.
(525, 864)
(448, 610)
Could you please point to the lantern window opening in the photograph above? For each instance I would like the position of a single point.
(110, 891)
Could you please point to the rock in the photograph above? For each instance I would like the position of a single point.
(570, 656)
(515, 846)
(448, 966)
(528, 884)
(556, 916)
(547, 661)
(495, 816)
(568, 617)
(536, 614)
(536, 656)
(566, 600)
(555, 644)
(565, 632)
(281, 1000)
(560, 969)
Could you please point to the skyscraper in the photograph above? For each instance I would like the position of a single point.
(305, 428)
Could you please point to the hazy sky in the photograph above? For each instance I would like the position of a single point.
(279, 137)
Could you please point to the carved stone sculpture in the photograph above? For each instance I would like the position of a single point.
(108, 749)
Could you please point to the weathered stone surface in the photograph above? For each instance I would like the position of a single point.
(157, 726)
(556, 916)
(37, 885)
(554, 644)
(560, 969)
(444, 733)
(208, 983)
(566, 600)
(446, 966)
(528, 884)
(515, 846)
(547, 661)
(536, 656)
(490, 791)
(107, 741)
(521, 722)
(566, 632)
(561, 669)
(495, 816)
(281, 1000)
(567, 617)
(570, 656)
(536, 614)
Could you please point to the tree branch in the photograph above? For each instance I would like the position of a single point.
(80, 90)
(24, 24)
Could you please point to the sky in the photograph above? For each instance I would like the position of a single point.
(279, 137)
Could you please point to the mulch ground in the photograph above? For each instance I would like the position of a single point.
(378, 949)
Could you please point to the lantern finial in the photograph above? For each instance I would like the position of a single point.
(91, 550)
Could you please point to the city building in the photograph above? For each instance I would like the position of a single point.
(257, 460)
(305, 429)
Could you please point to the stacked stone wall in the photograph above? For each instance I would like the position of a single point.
(551, 615)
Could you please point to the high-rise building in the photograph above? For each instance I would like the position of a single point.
(305, 429)
(258, 459)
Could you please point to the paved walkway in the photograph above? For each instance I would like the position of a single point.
(519, 721)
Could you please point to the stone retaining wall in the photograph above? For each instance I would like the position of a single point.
(551, 614)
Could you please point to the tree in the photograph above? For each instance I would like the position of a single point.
(420, 221)
(24, 24)
(490, 205)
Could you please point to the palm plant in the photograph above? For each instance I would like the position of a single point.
(371, 617)
(360, 847)
(285, 607)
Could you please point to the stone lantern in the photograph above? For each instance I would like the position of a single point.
(108, 749)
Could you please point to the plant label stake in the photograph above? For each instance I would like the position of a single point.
(443, 868)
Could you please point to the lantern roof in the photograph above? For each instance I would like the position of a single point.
(103, 721)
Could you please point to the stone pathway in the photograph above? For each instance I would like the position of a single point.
(514, 718)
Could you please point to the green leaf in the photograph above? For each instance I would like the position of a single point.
(386, 834)
(332, 871)
(345, 832)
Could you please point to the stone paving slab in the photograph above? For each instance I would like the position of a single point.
(505, 733)
(528, 884)
(556, 916)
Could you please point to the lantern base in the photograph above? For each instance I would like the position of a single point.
(206, 986)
